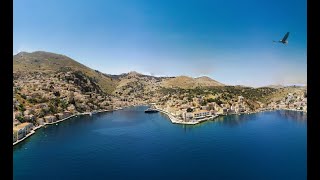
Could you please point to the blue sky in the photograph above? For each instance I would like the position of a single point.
(227, 40)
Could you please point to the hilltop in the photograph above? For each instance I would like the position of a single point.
(206, 81)
(40, 61)
(123, 84)
(186, 82)
(132, 85)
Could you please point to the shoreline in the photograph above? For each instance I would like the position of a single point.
(175, 120)
(33, 131)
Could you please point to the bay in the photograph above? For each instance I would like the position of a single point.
(130, 144)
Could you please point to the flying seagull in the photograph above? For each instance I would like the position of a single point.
(284, 39)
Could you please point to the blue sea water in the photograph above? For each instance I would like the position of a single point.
(130, 144)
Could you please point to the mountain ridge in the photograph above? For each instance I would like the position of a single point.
(41, 61)
(52, 62)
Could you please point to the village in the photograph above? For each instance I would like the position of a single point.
(182, 112)
(44, 99)
(41, 99)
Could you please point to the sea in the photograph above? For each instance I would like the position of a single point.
(131, 144)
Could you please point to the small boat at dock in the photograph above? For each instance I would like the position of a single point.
(151, 110)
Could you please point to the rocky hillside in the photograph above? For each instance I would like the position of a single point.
(47, 84)
(282, 92)
(39, 94)
(206, 81)
(128, 84)
(134, 85)
(186, 82)
(40, 61)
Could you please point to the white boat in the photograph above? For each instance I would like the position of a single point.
(151, 110)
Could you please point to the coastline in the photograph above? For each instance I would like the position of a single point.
(175, 120)
(33, 131)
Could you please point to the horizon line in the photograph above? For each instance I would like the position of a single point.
(167, 76)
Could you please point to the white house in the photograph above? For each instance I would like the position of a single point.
(201, 114)
(187, 115)
(22, 129)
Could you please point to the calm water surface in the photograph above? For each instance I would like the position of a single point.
(129, 144)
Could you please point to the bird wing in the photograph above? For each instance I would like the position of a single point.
(285, 37)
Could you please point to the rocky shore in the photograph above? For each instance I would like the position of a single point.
(56, 122)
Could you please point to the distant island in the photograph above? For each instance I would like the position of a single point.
(49, 88)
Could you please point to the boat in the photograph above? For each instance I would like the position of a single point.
(151, 110)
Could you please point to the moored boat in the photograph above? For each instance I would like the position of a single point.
(150, 110)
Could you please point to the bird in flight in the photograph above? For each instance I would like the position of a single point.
(284, 39)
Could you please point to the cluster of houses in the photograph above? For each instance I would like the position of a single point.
(61, 85)
(188, 111)
(32, 93)
(20, 130)
(293, 101)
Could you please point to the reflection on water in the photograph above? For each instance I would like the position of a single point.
(131, 141)
(21, 145)
(236, 120)
(296, 116)
(164, 116)
(229, 120)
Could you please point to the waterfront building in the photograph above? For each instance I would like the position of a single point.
(40, 121)
(213, 112)
(20, 132)
(22, 129)
(187, 115)
(201, 114)
(50, 119)
(282, 105)
(60, 116)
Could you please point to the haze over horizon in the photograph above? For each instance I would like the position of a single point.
(229, 41)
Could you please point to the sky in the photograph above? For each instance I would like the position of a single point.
(227, 40)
